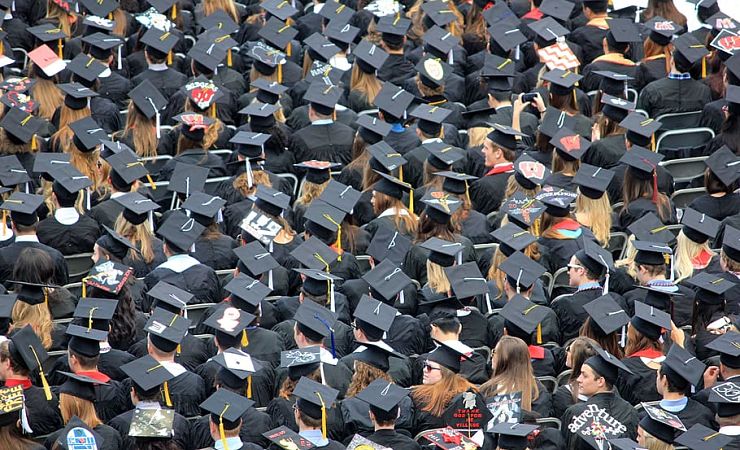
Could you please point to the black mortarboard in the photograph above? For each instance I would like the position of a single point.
(501, 14)
(554, 120)
(606, 365)
(211, 49)
(455, 182)
(389, 244)
(147, 373)
(562, 82)
(622, 32)
(86, 69)
(96, 310)
(442, 156)
(440, 40)
(268, 91)
(336, 12)
(498, 72)
(69, 179)
(31, 293)
(393, 100)
(387, 279)
(728, 345)
(229, 320)
(180, 231)
(513, 436)
(650, 320)
(732, 94)
(372, 129)
(127, 166)
(255, 258)
(449, 354)
(341, 34)
(323, 97)
(383, 158)
(383, 395)
(662, 30)
(160, 40)
(504, 136)
(641, 161)
(278, 33)
(221, 21)
(246, 292)
(100, 8)
(22, 206)
(439, 12)
(313, 399)
(569, 144)
(511, 238)
(592, 181)
(700, 437)
(148, 99)
(87, 134)
(204, 208)
(45, 162)
(376, 354)
(507, 36)
(652, 253)
(314, 254)
(7, 302)
(76, 435)
(725, 165)
(282, 9)
(166, 329)
(547, 30)
(521, 210)
(660, 423)
(650, 228)
(712, 288)
(340, 196)
(369, 57)
(521, 270)
(136, 207)
(522, 314)
(394, 25)
(76, 95)
(731, 243)
(21, 125)
(688, 49)
(79, 386)
(237, 363)
(301, 362)
(595, 258)
(559, 9)
(699, 227)
(188, 178)
(606, 314)
(47, 32)
(169, 297)
(260, 114)
(314, 320)
(375, 313)
(392, 186)
(226, 408)
(317, 282)
(250, 145)
(680, 362)
(430, 118)
(320, 48)
(271, 201)
(616, 108)
(323, 220)
(442, 252)
(102, 45)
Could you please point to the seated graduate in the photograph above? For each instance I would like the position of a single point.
(314, 402)
(213, 248)
(568, 394)
(11, 430)
(385, 400)
(136, 223)
(658, 428)
(606, 324)
(522, 319)
(225, 410)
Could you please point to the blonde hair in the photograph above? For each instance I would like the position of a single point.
(653, 443)
(310, 192)
(143, 132)
(513, 186)
(71, 406)
(259, 177)
(139, 235)
(48, 96)
(210, 137)
(407, 223)
(437, 279)
(38, 316)
(477, 135)
(629, 257)
(54, 11)
(365, 83)
(434, 398)
(595, 214)
(63, 136)
(227, 6)
(686, 251)
(512, 372)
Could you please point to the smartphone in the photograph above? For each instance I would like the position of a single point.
(529, 97)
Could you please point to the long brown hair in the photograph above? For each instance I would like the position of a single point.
(365, 83)
(310, 192)
(434, 398)
(139, 235)
(61, 17)
(563, 165)
(665, 9)
(635, 188)
(227, 6)
(609, 342)
(11, 437)
(547, 223)
(637, 341)
(47, 95)
(241, 183)
(404, 222)
(286, 389)
(11, 148)
(652, 49)
(143, 132)
(363, 376)
(71, 406)
(67, 115)
(512, 372)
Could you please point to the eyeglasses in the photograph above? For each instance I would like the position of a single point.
(574, 266)
(429, 368)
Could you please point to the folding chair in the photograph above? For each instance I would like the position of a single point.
(617, 244)
(195, 312)
(78, 266)
(678, 121)
(292, 179)
(685, 170)
(684, 143)
(682, 197)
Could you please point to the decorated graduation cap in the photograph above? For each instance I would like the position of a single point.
(166, 329)
(725, 165)
(607, 315)
(731, 243)
(388, 243)
(504, 136)
(433, 72)
(193, 125)
(680, 364)
(440, 206)
(87, 134)
(22, 207)
(226, 409)
(650, 321)
(522, 211)
(522, 317)
(236, 366)
(152, 423)
(47, 60)
(513, 436)
(180, 232)
(148, 375)
(569, 144)
(443, 253)
(313, 400)
(203, 94)
(616, 108)
(606, 365)
(728, 346)
(660, 423)
(25, 347)
(449, 354)
(386, 281)
(75, 434)
(512, 238)
(393, 101)
(301, 362)
(187, 178)
(700, 437)
(530, 173)
(726, 396)
(108, 276)
(662, 30)
(556, 200)
(230, 324)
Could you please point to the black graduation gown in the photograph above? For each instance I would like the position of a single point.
(713, 115)
(650, 70)
(717, 207)
(550, 327)
(166, 81)
(672, 96)
(562, 399)
(560, 250)
(694, 412)
(105, 113)
(665, 182)
(193, 351)
(254, 423)
(394, 440)
(356, 417)
(111, 438)
(10, 253)
(106, 212)
(180, 425)
(402, 140)
(639, 386)
(682, 305)
(197, 157)
(543, 361)
(605, 152)
(116, 88)
(619, 417)
(590, 37)
(216, 253)
(72, 239)
(263, 381)
(591, 81)
(561, 180)
(330, 142)
(343, 337)
(396, 69)
(200, 280)
(141, 267)
(355, 289)
(44, 416)
(570, 310)
(638, 208)
(187, 392)
(487, 193)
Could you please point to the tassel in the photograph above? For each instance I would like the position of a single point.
(228, 58)
(401, 297)
(2, 48)
(5, 226)
(120, 64)
(213, 110)
(652, 142)
(488, 302)
(323, 415)
(167, 399)
(249, 387)
(539, 333)
(169, 58)
(178, 350)
(280, 73)
(400, 173)
(289, 50)
(703, 67)
(338, 242)
(174, 12)
(59, 49)
(623, 338)
(411, 201)
(34, 146)
(47, 390)
(221, 427)
(84, 287)
(245, 338)
(467, 191)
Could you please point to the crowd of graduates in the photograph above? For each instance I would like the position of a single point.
(368, 224)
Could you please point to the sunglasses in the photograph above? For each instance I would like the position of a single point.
(429, 368)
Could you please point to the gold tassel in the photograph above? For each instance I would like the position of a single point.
(169, 58)
(59, 49)
(174, 11)
(249, 387)
(539, 333)
(221, 427)
(84, 287)
(90, 318)
(2, 48)
(280, 74)
(575, 98)
(411, 201)
(47, 390)
(151, 182)
(245, 339)
(33, 143)
(167, 399)
(652, 142)
(213, 110)
(228, 58)
(323, 415)
(110, 16)
(703, 67)
(178, 350)
(338, 242)
(400, 173)
(5, 221)
(289, 50)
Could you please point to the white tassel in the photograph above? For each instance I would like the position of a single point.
(517, 54)
(159, 132)
(219, 216)
(450, 61)
(401, 297)
(25, 424)
(323, 377)
(488, 302)
(623, 338)
(88, 199)
(331, 297)
(269, 279)
(250, 176)
(28, 191)
(151, 221)
(120, 65)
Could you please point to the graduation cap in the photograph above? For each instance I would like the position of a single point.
(456, 182)
(512, 238)
(596, 259)
(521, 270)
(314, 254)
(76, 435)
(570, 145)
(100, 8)
(731, 243)
(220, 21)
(284, 437)
(650, 228)
(282, 9)
(559, 9)
(592, 181)
(521, 210)
(607, 314)
(166, 329)
(721, 21)
(513, 436)
(21, 124)
(315, 321)
(688, 50)
(255, 259)
(235, 367)
(323, 220)
(606, 365)
(430, 118)
(500, 14)
(319, 283)
(699, 227)
(336, 13)
(227, 409)
(725, 165)
(180, 231)
(49, 62)
(679, 363)
(278, 33)
(372, 129)
(393, 25)
(557, 201)
(136, 207)
(323, 97)
(230, 322)
(340, 196)
(26, 346)
(320, 48)
(562, 82)
(147, 373)
(524, 316)
(732, 94)
(161, 41)
(506, 36)
(68, 181)
(374, 316)
(95, 312)
(497, 69)
(616, 108)
(80, 386)
(383, 158)
(387, 280)
(660, 423)
(188, 178)
(622, 32)
(98, 23)
(87, 134)
(268, 91)
(449, 354)
(271, 201)
(392, 186)
(154, 423)
(393, 101)
(441, 252)
(127, 166)
(547, 30)
(376, 354)
(700, 437)
(76, 95)
(108, 276)
(17, 99)
(49, 32)
(261, 114)
(369, 57)
(341, 34)
(440, 206)
(554, 120)
(301, 362)
(382, 395)
(727, 42)
(22, 206)
(102, 45)
(530, 173)
(662, 30)
(7, 302)
(728, 346)
(148, 99)
(711, 288)
(204, 208)
(650, 320)
(193, 125)
(388, 243)
(440, 41)
(250, 145)
(45, 162)
(313, 399)
(246, 292)
(442, 156)
(318, 172)
(504, 136)
(211, 49)
(642, 162)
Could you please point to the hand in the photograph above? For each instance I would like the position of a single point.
(595, 132)
(518, 105)
(539, 103)
(710, 376)
(677, 335)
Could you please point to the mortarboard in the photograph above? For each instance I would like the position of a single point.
(442, 156)
(513, 436)
(136, 207)
(49, 62)
(127, 166)
(507, 36)
(728, 345)
(439, 13)
(641, 161)
(466, 280)
(319, 283)
(616, 108)
(559, 9)
(504, 136)
(383, 158)
(340, 196)
(724, 165)
(393, 25)
(169, 297)
(166, 329)
(393, 101)
(662, 30)
(680, 363)
(278, 33)
(246, 292)
(315, 320)
(148, 99)
(320, 48)
(49, 32)
(188, 178)
(301, 362)
(80, 386)
(383, 395)
(712, 288)
(650, 228)
(255, 259)
(180, 231)
(203, 208)
(387, 280)
(440, 40)
(314, 254)
(340, 34)
(388, 243)
(606, 365)
(318, 172)
(456, 182)
(392, 186)
(226, 408)
(271, 201)
(512, 238)
(25, 346)
(160, 40)
(230, 322)
(547, 31)
(22, 206)
(153, 423)
(323, 220)
(430, 118)
(595, 258)
(369, 57)
(24, 102)
(727, 399)
(100, 8)
(376, 354)
(282, 9)
(622, 32)
(108, 276)
(336, 12)
(592, 181)
(219, 20)
(372, 129)
(699, 227)
(68, 178)
(449, 354)
(521, 210)
(688, 50)
(700, 437)
(554, 120)
(313, 399)
(523, 315)
(607, 314)
(569, 144)
(268, 91)
(440, 206)
(731, 243)
(76, 434)
(530, 173)
(102, 45)
(21, 124)
(650, 321)
(147, 373)
(323, 97)
(556, 200)
(562, 82)
(76, 95)
(521, 270)
(372, 313)
(441, 252)
(87, 134)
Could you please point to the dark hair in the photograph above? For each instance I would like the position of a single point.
(635, 188)
(714, 185)
(446, 322)
(385, 418)
(676, 383)
(429, 228)
(596, 6)
(730, 131)
(34, 266)
(65, 198)
(87, 362)
(123, 324)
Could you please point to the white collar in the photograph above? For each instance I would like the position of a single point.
(430, 140)
(106, 73)
(66, 216)
(322, 122)
(148, 405)
(392, 211)
(179, 263)
(231, 443)
(158, 67)
(8, 16)
(8, 234)
(27, 238)
(326, 357)
(118, 194)
(730, 430)
(340, 62)
(504, 106)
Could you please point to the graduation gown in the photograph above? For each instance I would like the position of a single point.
(187, 392)
(197, 157)
(569, 240)
(106, 212)
(141, 267)
(116, 88)
(570, 310)
(672, 96)
(356, 417)
(402, 139)
(614, 62)
(550, 327)
(562, 399)
(639, 386)
(694, 412)
(111, 438)
(717, 207)
(44, 416)
(10, 253)
(263, 381)
(399, 368)
(167, 81)
(330, 142)
(487, 193)
(606, 152)
(649, 70)
(396, 69)
(198, 279)
(638, 208)
(180, 426)
(216, 253)
(78, 237)
(193, 351)
(590, 37)
(254, 423)
(394, 440)
(619, 417)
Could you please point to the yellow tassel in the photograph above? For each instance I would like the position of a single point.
(539, 333)
(167, 399)
(411, 201)
(33, 143)
(249, 387)
(245, 339)
(178, 350)
(228, 58)
(5, 221)
(174, 11)
(221, 427)
(151, 182)
(84, 287)
(400, 173)
(47, 390)
(467, 191)
(338, 242)
(59, 49)
(110, 16)
(704, 67)
(213, 110)
(2, 48)
(323, 415)
(280, 74)
(169, 58)
(575, 97)
(90, 318)
(652, 142)
(289, 50)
